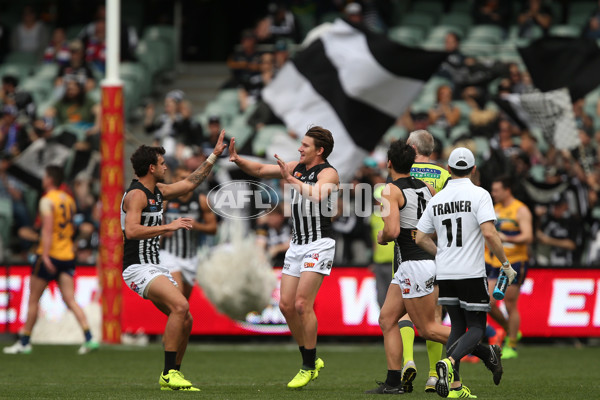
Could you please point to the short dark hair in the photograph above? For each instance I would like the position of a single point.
(505, 180)
(402, 156)
(10, 80)
(56, 173)
(145, 156)
(323, 138)
(461, 173)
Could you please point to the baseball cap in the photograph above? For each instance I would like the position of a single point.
(353, 9)
(461, 158)
(280, 45)
(177, 95)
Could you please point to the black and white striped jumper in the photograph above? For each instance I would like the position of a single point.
(183, 243)
(143, 251)
(308, 221)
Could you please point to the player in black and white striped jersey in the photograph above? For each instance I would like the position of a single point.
(179, 248)
(310, 256)
(141, 222)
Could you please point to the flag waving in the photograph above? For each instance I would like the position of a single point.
(557, 62)
(355, 83)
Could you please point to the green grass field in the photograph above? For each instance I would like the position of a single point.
(258, 371)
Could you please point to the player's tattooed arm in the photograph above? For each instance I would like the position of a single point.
(195, 178)
(200, 174)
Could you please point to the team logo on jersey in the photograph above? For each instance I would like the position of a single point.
(297, 174)
(407, 282)
(311, 176)
(405, 291)
(429, 283)
(134, 287)
(314, 256)
(309, 265)
(152, 202)
(158, 198)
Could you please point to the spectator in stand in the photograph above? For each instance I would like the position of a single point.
(30, 35)
(77, 69)
(75, 107)
(95, 47)
(592, 26)
(504, 139)
(129, 37)
(583, 121)
(517, 82)
(214, 129)
(12, 189)
(530, 150)
(282, 23)
(84, 219)
(273, 234)
(58, 50)
(455, 60)
(188, 131)
(556, 231)
(491, 12)
(282, 55)
(244, 63)
(13, 137)
(10, 94)
(251, 92)
(534, 14)
(162, 128)
(444, 115)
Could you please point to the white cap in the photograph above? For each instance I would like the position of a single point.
(461, 158)
(353, 9)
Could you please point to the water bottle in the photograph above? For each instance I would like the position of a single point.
(501, 285)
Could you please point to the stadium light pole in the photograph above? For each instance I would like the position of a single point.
(111, 180)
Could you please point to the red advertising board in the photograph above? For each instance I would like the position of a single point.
(554, 302)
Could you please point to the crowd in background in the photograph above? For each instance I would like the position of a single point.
(464, 112)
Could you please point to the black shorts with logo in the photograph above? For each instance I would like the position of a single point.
(469, 294)
(39, 269)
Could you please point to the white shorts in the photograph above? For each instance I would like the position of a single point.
(315, 257)
(415, 278)
(187, 266)
(139, 276)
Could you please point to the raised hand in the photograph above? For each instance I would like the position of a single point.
(220, 146)
(283, 167)
(181, 223)
(233, 155)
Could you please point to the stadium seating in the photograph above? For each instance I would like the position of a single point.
(408, 35)
(565, 30)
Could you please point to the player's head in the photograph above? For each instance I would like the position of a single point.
(461, 162)
(501, 188)
(54, 176)
(180, 174)
(401, 156)
(149, 159)
(317, 142)
(422, 141)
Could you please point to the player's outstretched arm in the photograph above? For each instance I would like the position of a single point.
(134, 203)
(194, 179)
(252, 167)
(328, 181)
